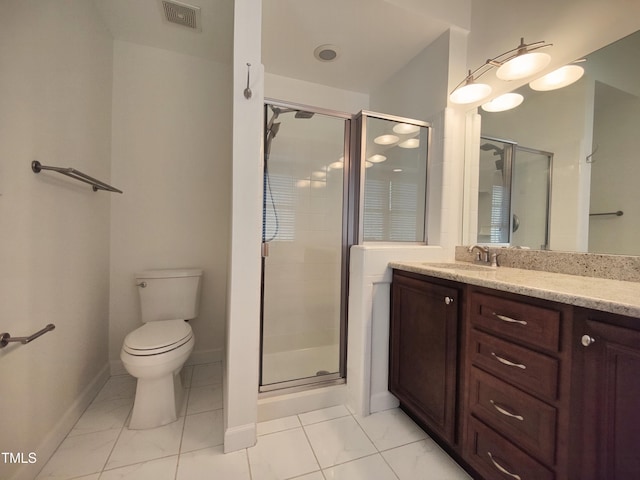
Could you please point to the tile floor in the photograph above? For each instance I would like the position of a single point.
(328, 444)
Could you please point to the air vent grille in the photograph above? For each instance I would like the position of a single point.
(182, 14)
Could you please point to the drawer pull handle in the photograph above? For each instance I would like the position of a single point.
(502, 469)
(504, 318)
(504, 411)
(508, 362)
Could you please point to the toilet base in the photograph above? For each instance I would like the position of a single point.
(158, 401)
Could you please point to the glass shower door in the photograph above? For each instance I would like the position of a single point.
(304, 246)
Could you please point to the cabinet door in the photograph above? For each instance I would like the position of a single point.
(423, 352)
(609, 378)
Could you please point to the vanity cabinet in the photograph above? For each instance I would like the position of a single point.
(607, 396)
(516, 387)
(423, 370)
(517, 379)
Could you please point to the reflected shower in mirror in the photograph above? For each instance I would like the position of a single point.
(513, 194)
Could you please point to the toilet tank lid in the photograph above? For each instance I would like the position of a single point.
(170, 273)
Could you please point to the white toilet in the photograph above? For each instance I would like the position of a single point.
(155, 352)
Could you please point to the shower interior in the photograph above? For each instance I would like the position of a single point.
(303, 268)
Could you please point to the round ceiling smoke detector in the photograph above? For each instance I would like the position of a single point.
(326, 53)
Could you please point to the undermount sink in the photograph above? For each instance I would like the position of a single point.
(461, 266)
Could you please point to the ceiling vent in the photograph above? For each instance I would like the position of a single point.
(182, 14)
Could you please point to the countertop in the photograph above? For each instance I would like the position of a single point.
(602, 294)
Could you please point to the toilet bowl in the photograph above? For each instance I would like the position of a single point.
(155, 352)
(155, 357)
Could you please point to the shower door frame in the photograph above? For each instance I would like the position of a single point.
(348, 239)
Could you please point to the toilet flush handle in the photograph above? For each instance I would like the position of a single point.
(141, 284)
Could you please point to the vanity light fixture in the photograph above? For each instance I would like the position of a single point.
(386, 139)
(377, 158)
(515, 64)
(405, 128)
(559, 78)
(503, 102)
(410, 143)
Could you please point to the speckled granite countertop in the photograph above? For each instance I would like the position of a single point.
(613, 296)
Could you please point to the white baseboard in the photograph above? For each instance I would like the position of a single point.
(237, 438)
(196, 358)
(382, 401)
(50, 443)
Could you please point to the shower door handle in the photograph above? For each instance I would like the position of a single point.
(265, 249)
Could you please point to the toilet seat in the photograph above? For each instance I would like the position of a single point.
(159, 337)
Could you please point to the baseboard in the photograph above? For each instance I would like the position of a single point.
(59, 432)
(206, 356)
(382, 401)
(237, 438)
(196, 358)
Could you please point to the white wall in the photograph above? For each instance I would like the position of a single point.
(172, 157)
(614, 178)
(55, 79)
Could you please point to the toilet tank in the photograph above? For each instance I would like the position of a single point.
(169, 294)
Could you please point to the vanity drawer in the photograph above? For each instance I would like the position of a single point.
(522, 322)
(525, 420)
(497, 459)
(535, 372)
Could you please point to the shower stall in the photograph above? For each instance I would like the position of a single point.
(316, 204)
(304, 246)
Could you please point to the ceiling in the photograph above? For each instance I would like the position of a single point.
(142, 22)
(375, 38)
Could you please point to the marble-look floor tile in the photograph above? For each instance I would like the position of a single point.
(203, 430)
(105, 415)
(324, 414)
(119, 386)
(338, 441)
(213, 463)
(390, 429)
(281, 455)
(135, 446)
(423, 460)
(278, 425)
(311, 476)
(367, 468)
(161, 469)
(209, 374)
(203, 399)
(80, 455)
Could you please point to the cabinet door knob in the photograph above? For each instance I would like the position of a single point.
(587, 340)
(448, 300)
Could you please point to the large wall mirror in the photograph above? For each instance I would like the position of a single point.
(561, 170)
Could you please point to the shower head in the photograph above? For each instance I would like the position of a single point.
(488, 147)
(304, 114)
(496, 151)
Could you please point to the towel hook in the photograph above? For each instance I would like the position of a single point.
(247, 91)
(590, 158)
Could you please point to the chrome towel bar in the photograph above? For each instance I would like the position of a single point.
(37, 167)
(5, 338)
(619, 213)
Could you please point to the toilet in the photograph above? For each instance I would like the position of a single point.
(155, 352)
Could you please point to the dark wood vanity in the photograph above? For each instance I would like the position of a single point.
(516, 387)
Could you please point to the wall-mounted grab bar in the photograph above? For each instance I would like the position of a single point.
(36, 166)
(5, 338)
(619, 213)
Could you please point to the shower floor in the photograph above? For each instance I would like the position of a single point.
(302, 363)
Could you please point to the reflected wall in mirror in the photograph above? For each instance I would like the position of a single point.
(591, 128)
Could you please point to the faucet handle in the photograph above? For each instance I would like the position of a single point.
(494, 259)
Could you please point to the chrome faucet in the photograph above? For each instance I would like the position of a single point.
(482, 255)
